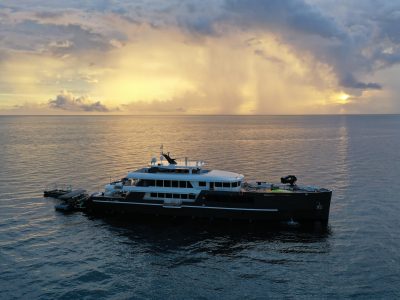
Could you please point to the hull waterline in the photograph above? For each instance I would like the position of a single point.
(299, 207)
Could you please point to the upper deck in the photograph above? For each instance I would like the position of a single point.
(167, 162)
(184, 174)
(185, 169)
(180, 164)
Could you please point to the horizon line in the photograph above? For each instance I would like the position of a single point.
(193, 115)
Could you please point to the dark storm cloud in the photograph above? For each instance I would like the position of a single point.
(306, 28)
(59, 5)
(311, 30)
(199, 24)
(66, 101)
(351, 82)
(354, 38)
(276, 14)
(30, 35)
(200, 17)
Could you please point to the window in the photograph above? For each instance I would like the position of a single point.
(189, 185)
(161, 195)
(218, 184)
(234, 184)
(177, 196)
(202, 183)
(168, 195)
(153, 195)
(167, 183)
(184, 196)
(192, 196)
(174, 183)
(151, 182)
(226, 185)
(159, 183)
(182, 184)
(239, 183)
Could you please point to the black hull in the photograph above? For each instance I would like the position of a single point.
(252, 206)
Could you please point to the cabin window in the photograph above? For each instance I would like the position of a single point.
(189, 185)
(174, 183)
(218, 184)
(177, 196)
(234, 184)
(226, 185)
(161, 195)
(239, 183)
(192, 196)
(167, 183)
(184, 196)
(159, 183)
(182, 184)
(202, 183)
(168, 195)
(153, 195)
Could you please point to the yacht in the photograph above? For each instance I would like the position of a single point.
(175, 187)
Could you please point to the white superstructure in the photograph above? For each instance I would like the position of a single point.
(177, 180)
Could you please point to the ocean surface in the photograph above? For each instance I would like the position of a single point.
(45, 254)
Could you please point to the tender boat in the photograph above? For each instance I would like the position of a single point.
(184, 188)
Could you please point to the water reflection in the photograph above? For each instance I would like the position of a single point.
(219, 238)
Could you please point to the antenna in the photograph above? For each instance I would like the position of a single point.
(161, 152)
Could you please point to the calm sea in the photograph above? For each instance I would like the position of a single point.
(49, 255)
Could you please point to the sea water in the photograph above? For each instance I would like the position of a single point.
(45, 254)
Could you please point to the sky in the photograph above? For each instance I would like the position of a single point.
(199, 57)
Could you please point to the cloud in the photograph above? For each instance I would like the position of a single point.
(265, 56)
(295, 15)
(66, 101)
(350, 82)
(212, 56)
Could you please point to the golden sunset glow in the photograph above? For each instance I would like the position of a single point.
(343, 98)
(121, 66)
